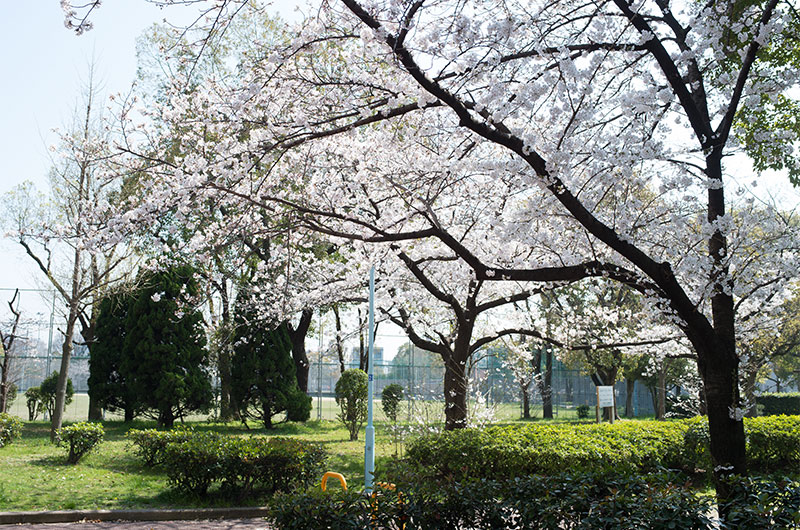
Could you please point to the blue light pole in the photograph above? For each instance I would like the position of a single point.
(369, 443)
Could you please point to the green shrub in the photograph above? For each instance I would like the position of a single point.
(192, 465)
(149, 444)
(518, 450)
(763, 503)
(342, 510)
(697, 444)
(298, 407)
(565, 501)
(270, 464)
(774, 403)
(773, 443)
(582, 411)
(241, 465)
(47, 393)
(79, 439)
(391, 396)
(10, 429)
(351, 396)
(33, 400)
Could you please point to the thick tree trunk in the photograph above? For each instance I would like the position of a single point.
(298, 337)
(630, 387)
(547, 390)
(455, 393)
(95, 410)
(227, 411)
(128, 414)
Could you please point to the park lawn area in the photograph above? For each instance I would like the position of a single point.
(35, 476)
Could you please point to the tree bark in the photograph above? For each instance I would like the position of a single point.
(6, 344)
(298, 338)
(455, 393)
(526, 403)
(547, 393)
(166, 418)
(339, 344)
(630, 386)
(63, 373)
(227, 411)
(661, 392)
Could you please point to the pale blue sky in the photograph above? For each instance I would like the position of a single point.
(44, 66)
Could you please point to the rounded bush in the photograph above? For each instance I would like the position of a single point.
(79, 439)
(351, 396)
(10, 429)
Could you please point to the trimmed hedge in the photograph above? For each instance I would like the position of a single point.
(576, 500)
(195, 460)
(774, 404)
(149, 444)
(508, 451)
(773, 444)
(10, 429)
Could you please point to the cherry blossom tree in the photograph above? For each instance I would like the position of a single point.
(559, 112)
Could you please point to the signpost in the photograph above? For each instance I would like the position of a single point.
(605, 399)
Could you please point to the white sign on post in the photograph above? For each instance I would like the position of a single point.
(605, 396)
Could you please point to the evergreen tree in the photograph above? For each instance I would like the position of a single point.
(165, 358)
(263, 381)
(107, 380)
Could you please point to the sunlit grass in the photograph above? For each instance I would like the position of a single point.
(35, 476)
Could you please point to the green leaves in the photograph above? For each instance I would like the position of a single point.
(10, 429)
(351, 396)
(79, 439)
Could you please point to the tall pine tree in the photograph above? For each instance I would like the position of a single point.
(166, 361)
(263, 380)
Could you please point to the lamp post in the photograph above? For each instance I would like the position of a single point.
(369, 443)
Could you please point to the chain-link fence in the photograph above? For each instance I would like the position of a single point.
(492, 389)
(493, 393)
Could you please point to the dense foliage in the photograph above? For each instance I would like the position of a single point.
(47, 393)
(107, 379)
(242, 465)
(33, 400)
(784, 403)
(574, 500)
(150, 444)
(165, 361)
(351, 396)
(773, 444)
(391, 396)
(263, 380)
(10, 429)
(79, 439)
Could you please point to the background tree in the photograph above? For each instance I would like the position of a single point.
(351, 396)
(7, 339)
(165, 362)
(263, 377)
(108, 382)
(55, 231)
(48, 391)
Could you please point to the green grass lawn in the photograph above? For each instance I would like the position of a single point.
(35, 477)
